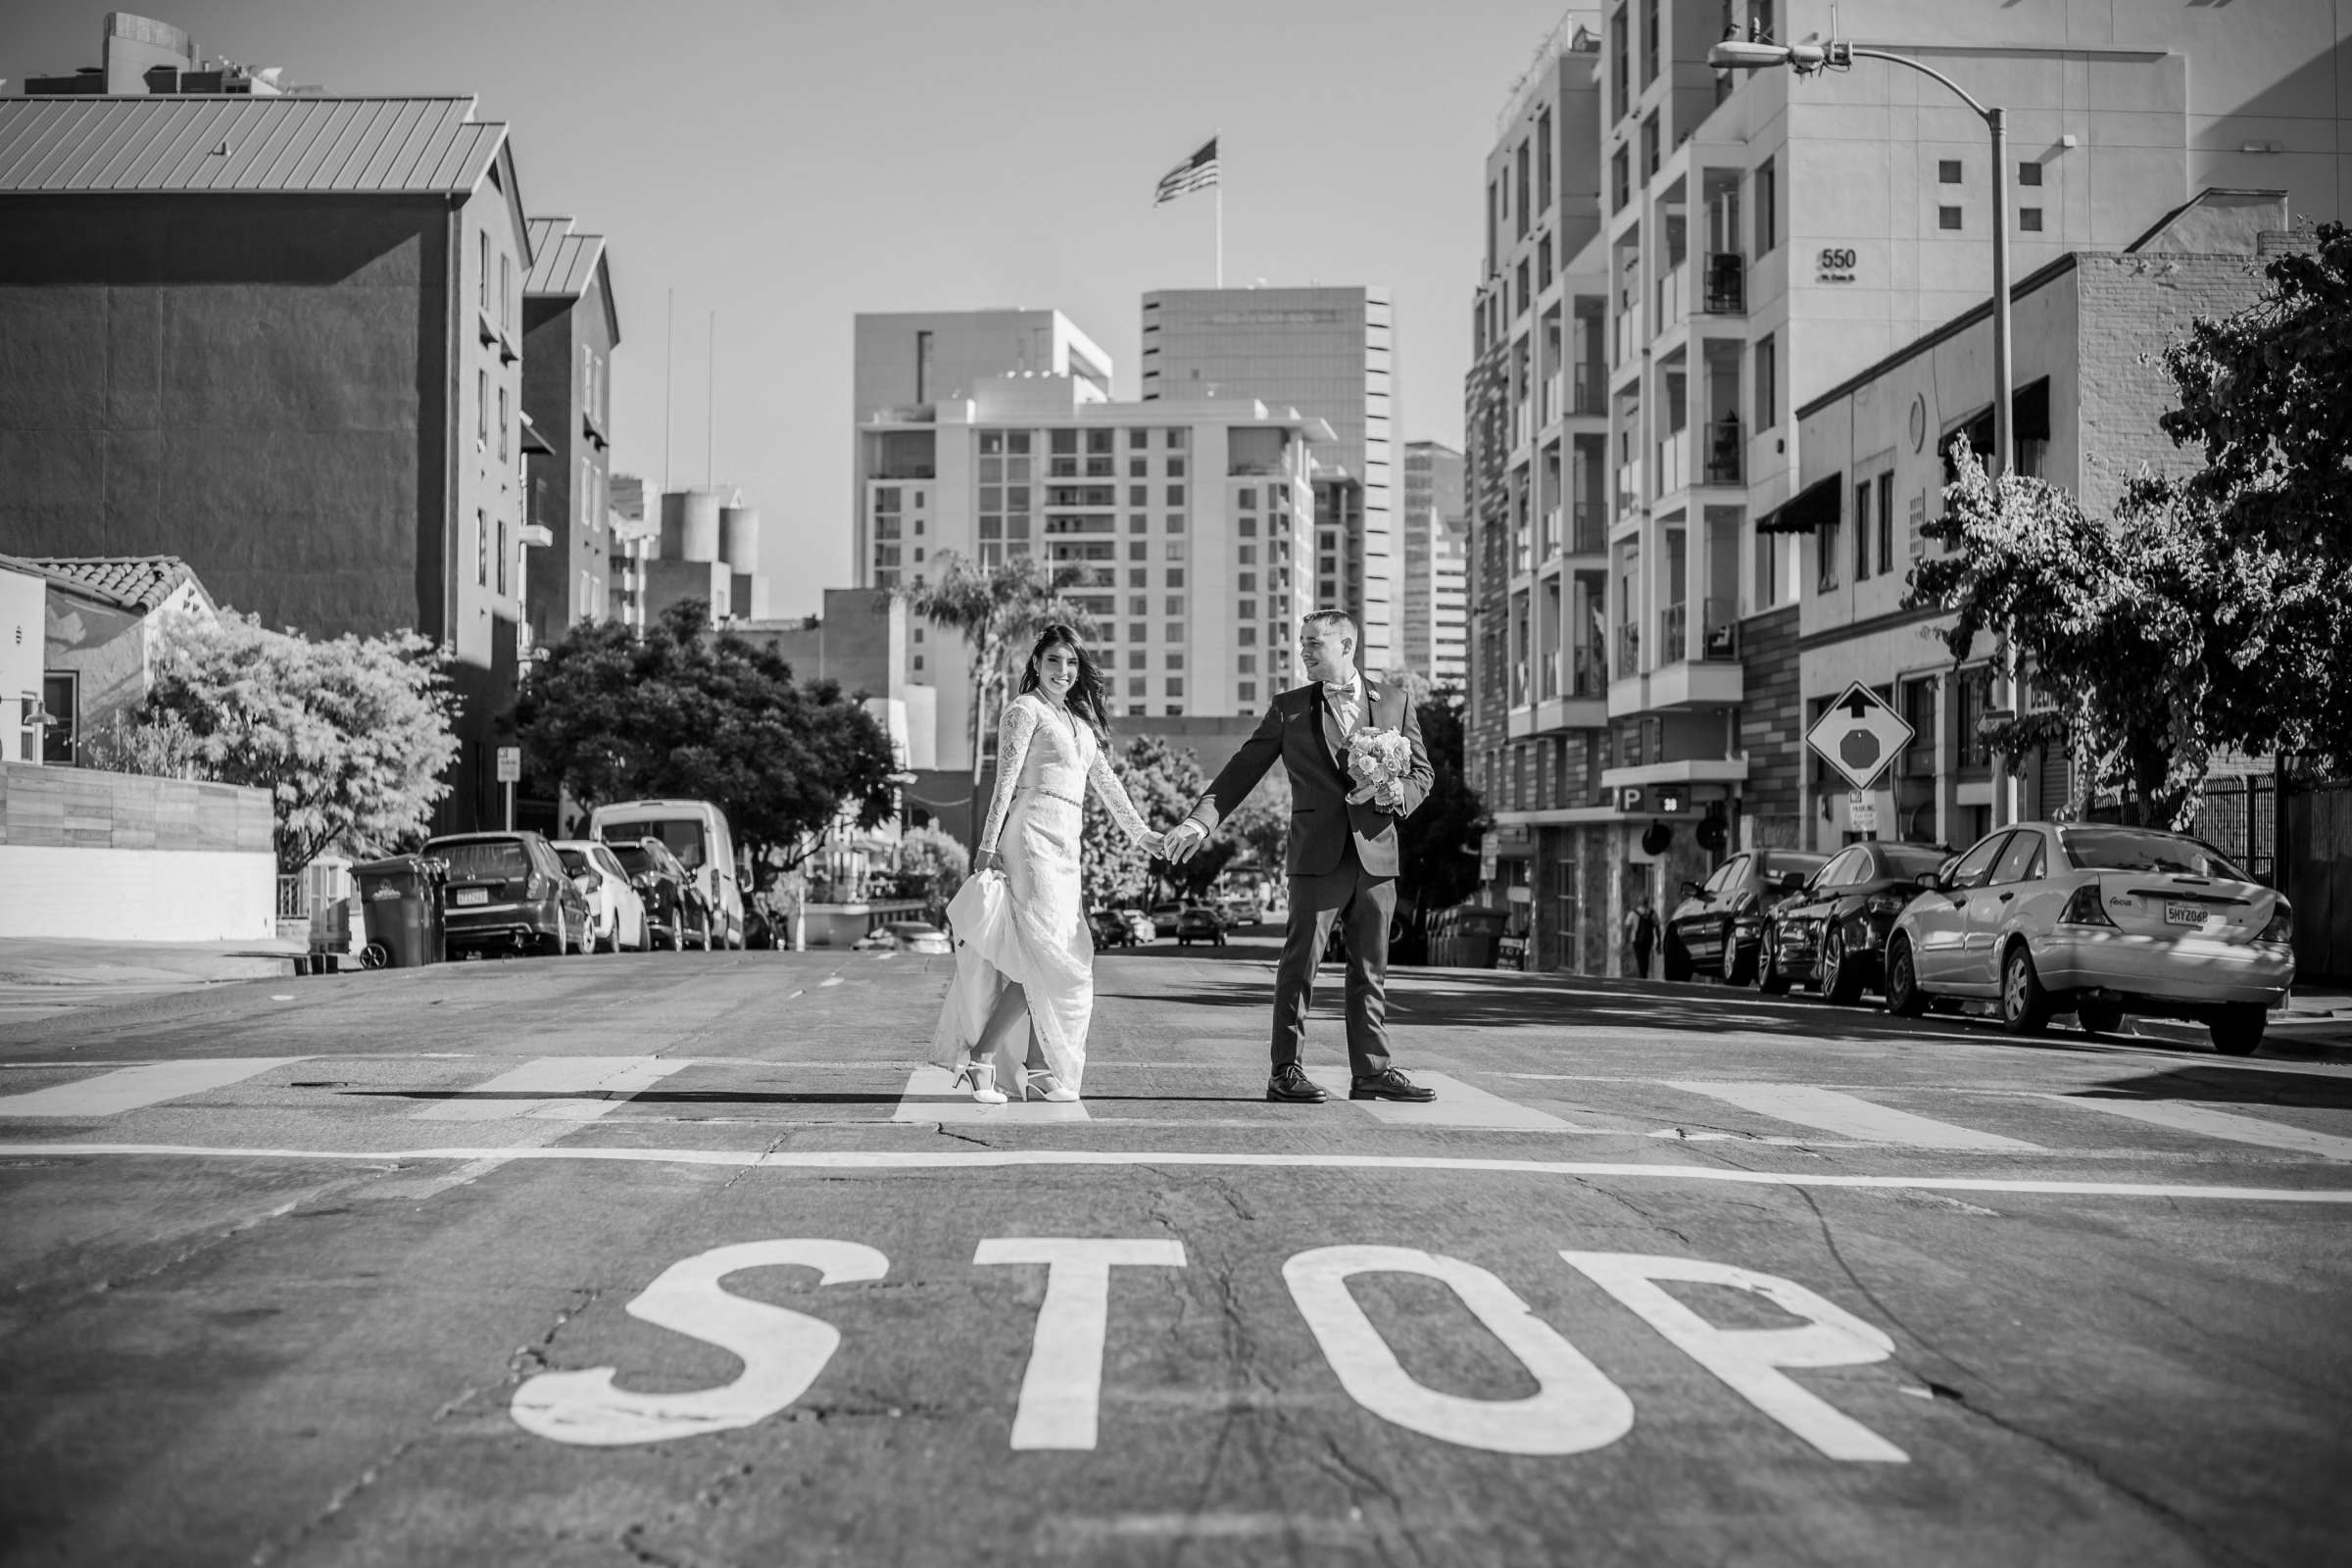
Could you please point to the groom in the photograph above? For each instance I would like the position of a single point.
(1342, 855)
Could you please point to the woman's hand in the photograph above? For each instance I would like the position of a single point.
(988, 861)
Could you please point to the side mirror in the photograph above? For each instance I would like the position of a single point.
(1689, 890)
(1932, 881)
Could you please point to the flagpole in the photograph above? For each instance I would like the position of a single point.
(1220, 142)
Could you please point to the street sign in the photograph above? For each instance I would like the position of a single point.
(510, 764)
(1862, 813)
(1859, 735)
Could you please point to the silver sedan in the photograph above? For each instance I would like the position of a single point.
(2096, 920)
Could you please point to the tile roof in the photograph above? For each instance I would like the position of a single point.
(135, 582)
(306, 143)
(563, 263)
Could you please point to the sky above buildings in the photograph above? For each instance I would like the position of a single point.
(786, 166)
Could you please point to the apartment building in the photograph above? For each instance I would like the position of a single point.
(1762, 238)
(1330, 353)
(1433, 580)
(571, 326)
(1187, 519)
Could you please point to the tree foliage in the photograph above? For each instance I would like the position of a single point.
(613, 716)
(1437, 844)
(930, 866)
(1163, 783)
(1262, 822)
(350, 737)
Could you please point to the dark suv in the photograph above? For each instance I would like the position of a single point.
(1717, 927)
(509, 892)
(675, 911)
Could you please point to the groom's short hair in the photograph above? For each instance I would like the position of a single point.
(1335, 618)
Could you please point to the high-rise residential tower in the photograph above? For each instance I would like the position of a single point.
(1330, 353)
(1433, 562)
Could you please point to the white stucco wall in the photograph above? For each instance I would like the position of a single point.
(138, 895)
(21, 608)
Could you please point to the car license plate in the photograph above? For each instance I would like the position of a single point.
(2183, 913)
(473, 896)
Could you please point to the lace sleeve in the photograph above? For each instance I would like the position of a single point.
(1012, 749)
(1113, 796)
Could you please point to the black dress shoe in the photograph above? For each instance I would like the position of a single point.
(1389, 1084)
(1290, 1084)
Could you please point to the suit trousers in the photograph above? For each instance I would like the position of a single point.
(1360, 903)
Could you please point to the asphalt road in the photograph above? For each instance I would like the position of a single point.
(689, 1259)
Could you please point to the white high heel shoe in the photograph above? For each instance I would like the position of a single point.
(1054, 1091)
(981, 1077)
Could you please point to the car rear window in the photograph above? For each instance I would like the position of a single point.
(2139, 849)
(683, 836)
(574, 860)
(633, 858)
(1909, 859)
(485, 861)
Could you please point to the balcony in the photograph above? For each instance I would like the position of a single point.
(1628, 486)
(1591, 388)
(1727, 451)
(1590, 530)
(1674, 627)
(1719, 632)
(1670, 296)
(1629, 334)
(1550, 538)
(1628, 650)
(1588, 671)
(1727, 283)
(1549, 409)
(1674, 461)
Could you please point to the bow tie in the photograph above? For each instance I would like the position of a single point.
(1340, 692)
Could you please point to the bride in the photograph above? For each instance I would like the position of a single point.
(1023, 949)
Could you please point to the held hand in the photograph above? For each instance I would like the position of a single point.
(988, 861)
(1388, 795)
(1183, 840)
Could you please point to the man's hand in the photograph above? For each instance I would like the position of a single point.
(1388, 795)
(987, 860)
(1183, 842)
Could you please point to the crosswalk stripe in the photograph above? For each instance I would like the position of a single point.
(111, 1094)
(1849, 1115)
(2183, 1116)
(931, 1095)
(1458, 1105)
(556, 1089)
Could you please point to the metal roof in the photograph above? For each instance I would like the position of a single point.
(564, 264)
(307, 144)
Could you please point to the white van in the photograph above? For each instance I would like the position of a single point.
(696, 832)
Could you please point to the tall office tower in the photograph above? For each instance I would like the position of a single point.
(1330, 353)
(1185, 517)
(1430, 581)
(1678, 261)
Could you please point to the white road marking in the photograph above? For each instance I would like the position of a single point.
(1061, 1393)
(2188, 1117)
(931, 1095)
(875, 1159)
(1458, 1105)
(129, 1089)
(1847, 1115)
(555, 1089)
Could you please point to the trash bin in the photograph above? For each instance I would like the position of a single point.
(1478, 934)
(402, 901)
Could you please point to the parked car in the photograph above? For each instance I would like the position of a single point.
(1111, 929)
(1245, 908)
(696, 833)
(1717, 927)
(1197, 923)
(920, 936)
(675, 915)
(1832, 934)
(1141, 928)
(1163, 919)
(509, 892)
(615, 912)
(2099, 921)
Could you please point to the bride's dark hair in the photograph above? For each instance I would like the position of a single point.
(1086, 692)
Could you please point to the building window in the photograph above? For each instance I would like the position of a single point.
(1863, 532)
(1139, 549)
(2029, 173)
(1136, 657)
(1886, 521)
(481, 548)
(1246, 497)
(1247, 637)
(502, 557)
(1135, 685)
(1175, 604)
(1138, 440)
(1176, 438)
(1174, 631)
(2029, 218)
(1139, 468)
(506, 289)
(481, 409)
(1175, 580)
(1246, 691)
(1825, 544)
(1175, 549)
(502, 424)
(1649, 146)
(1175, 683)
(1649, 42)
(1062, 443)
(1768, 208)
(1768, 391)
(1139, 495)
(1544, 160)
(1136, 633)
(1947, 217)
(1948, 171)
(482, 291)
(1245, 610)
(1621, 179)
(1175, 495)
(60, 699)
(1621, 65)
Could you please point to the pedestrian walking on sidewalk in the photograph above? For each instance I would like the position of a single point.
(1024, 989)
(1352, 749)
(1642, 934)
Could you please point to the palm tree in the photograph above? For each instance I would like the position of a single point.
(995, 609)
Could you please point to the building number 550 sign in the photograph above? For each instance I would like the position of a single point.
(1835, 265)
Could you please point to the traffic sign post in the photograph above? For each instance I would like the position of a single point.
(1862, 813)
(509, 769)
(1859, 735)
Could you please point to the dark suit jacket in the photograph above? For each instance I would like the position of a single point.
(1322, 821)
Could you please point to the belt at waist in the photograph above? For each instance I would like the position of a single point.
(1066, 800)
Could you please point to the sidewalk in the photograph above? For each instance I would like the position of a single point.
(44, 975)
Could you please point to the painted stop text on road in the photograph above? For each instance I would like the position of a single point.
(1576, 1407)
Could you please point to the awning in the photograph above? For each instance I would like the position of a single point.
(2029, 420)
(1807, 510)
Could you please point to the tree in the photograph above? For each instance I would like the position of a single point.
(1262, 822)
(2267, 394)
(2148, 639)
(998, 610)
(1163, 783)
(1437, 845)
(613, 716)
(931, 865)
(350, 737)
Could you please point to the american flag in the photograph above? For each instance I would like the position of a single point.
(1196, 173)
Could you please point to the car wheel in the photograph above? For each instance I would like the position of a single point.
(558, 945)
(1677, 963)
(1840, 981)
(1904, 999)
(705, 942)
(2099, 1017)
(2237, 1028)
(1737, 970)
(1770, 979)
(612, 942)
(2025, 1006)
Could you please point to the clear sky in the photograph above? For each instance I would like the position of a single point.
(788, 165)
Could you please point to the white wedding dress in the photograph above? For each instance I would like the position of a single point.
(1032, 930)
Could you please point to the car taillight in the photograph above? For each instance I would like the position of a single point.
(534, 886)
(2282, 924)
(2084, 909)
(1886, 902)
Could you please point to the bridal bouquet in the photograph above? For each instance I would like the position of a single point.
(1376, 756)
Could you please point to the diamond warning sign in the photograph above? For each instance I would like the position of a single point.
(1859, 735)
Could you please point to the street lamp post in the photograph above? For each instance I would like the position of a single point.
(1805, 59)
